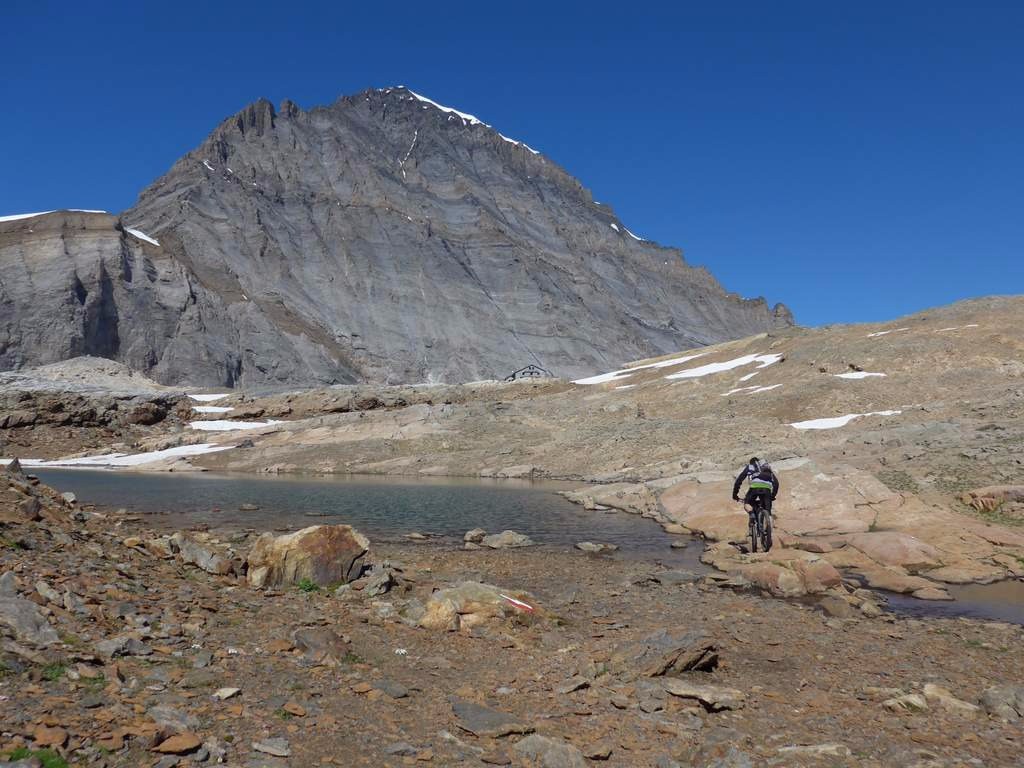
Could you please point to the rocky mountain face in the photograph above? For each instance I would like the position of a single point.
(383, 238)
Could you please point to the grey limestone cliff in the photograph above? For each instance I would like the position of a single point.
(382, 238)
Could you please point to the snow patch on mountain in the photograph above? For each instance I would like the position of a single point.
(839, 421)
(627, 372)
(17, 216)
(141, 235)
(763, 361)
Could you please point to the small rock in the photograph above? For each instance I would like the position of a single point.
(484, 721)
(574, 684)
(836, 607)
(379, 583)
(223, 694)
(713, 697)
(45, 736)
(596, 549)
(277, 747)
(910, 702)
(597, 751)
(944, 697)
(392, 689)
(816, 750)
(48, 593)
(69, 498)
(179, 744)
(550, 753)
(248, 507)
(506, 540)
(496, 757)
(401, 748)
(474, 536)
(294, 708)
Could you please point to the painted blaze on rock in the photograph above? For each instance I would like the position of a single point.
(324, 554)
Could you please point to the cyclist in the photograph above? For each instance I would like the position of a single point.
(763, 484)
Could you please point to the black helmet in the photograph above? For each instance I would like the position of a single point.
(754, 461)
(765, 466)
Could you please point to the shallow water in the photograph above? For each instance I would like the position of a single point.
(1001, 601)
(379, 506)
(387, 508)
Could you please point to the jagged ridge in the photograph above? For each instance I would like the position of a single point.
(387, 238)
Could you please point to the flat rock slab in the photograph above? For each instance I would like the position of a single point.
(484, 721)
(275, 747)
(713, 698)
(506, 540)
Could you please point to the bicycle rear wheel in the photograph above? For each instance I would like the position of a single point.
(755, 517)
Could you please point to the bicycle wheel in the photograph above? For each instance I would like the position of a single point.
(766, 531)
(754, 517)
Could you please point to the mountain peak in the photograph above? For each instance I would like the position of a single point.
(384, 238)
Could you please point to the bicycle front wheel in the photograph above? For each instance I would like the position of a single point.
(766, 531)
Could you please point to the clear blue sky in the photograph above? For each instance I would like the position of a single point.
(855, 160)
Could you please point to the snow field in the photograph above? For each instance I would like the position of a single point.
(124, 459)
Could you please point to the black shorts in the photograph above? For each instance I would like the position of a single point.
(759, 494)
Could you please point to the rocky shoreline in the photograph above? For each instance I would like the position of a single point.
(127, 646)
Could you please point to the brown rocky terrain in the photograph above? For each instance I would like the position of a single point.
(126, 646)
(914, 487)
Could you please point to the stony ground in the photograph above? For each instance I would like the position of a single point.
(147, 652)
(113, 646)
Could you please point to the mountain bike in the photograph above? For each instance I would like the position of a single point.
(760, 524)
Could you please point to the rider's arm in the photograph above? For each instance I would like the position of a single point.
(738, 483)
(775, 486)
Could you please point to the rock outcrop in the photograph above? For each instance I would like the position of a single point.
(379, 239)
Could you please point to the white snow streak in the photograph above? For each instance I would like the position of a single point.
(467, 119)
(638, 239)
(212, 408)
(839, 421)
(749, 376)
(615, 227)
(207, 164)
(224, 425)
(883, 333)
(627, 372)
(141, 235)
(401, 164)
(16, 216)
(751, 390)
(706, 370)
(957, 328)
(123, 459)
(519, 144)
(857, 375)
(209, 398)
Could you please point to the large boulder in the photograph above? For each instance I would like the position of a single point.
(323, 554)
(469, 604)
